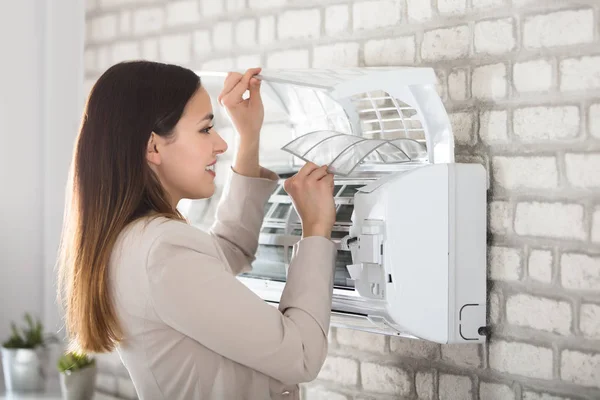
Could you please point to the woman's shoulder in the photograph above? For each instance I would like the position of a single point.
(160, 234)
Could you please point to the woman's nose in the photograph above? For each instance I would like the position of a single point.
(220, 145)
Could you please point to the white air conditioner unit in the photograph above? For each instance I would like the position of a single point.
(411, 223)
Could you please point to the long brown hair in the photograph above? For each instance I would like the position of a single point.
(111, 185)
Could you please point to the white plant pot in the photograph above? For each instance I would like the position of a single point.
(24, 369)
(80, 384)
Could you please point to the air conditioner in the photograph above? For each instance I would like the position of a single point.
(411, 223)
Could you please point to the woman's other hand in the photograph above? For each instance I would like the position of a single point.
(247, 115)
(311, 190)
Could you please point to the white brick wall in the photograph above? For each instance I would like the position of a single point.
(580, 271)
(567, 220)
(495, 36)
(521, 359)
(580, 368)
(556, 29)
(489, 82)
(542, 123)
(533, 76)
(376, 14)
(444, 44)
(540, 266)
(521, 88)
(525, 172)
(539, 313)
(303, 24)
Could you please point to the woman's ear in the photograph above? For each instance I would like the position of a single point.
(152, 154)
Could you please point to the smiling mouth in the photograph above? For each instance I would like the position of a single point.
(210, 168)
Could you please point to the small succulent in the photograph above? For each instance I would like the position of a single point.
(29, 337)
(73, 361)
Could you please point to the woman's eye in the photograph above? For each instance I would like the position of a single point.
(207, 129)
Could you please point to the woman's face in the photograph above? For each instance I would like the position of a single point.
(184, 162)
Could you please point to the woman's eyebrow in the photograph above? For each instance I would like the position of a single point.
(207, 117)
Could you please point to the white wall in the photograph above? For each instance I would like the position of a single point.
(40, 107)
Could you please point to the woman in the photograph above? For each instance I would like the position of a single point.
(137, 278)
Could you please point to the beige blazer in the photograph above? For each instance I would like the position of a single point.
(194, 331)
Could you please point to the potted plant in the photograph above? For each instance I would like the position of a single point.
(24, 357)
(77, 376)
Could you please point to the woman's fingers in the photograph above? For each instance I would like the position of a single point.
(232, 79)
(234, 95)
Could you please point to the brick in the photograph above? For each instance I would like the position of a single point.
(462, 354)
(183, 12)
(414, 348)
(245, 33)
(452, 6)
(580, 271)
(125, 51)
(419, 10)
(457, 84)
(583, 170)
(540, 266)
(504, 263)
(375, 14)
(336, 55)
(495, 305)
(487, 4)
(176, 49)
(248, 61)
(150, 49)
(424, 385)
(89, 60)
(525, 172)
(489, 82)
(440, 85)
(103, 27)
(288, 59)
(219, 64)
(232, 5)
(384, 379)
(596, 226)
(462, 127)
(264, 4)
(495, 36)
(125, 23)
(589, 320)
(455, 387)
(500, 217)
(446, 44)
(361, 340)
(542, 396)
(543, 123)
(495, 391)
(340, 370)
(398, 51)
(103, 57)
(223, 36)
(556, 29)
(521, 359)
(266, 30)
(202, 43)
(594, 120)
(148, 20)
(580, 368)
(580, 73)
(539, 313)
(211, 8)
(493, 126)
(318, 393)
(299, 24)
(125, 388)
(566, 223)
(337, 19)
(532, 76)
